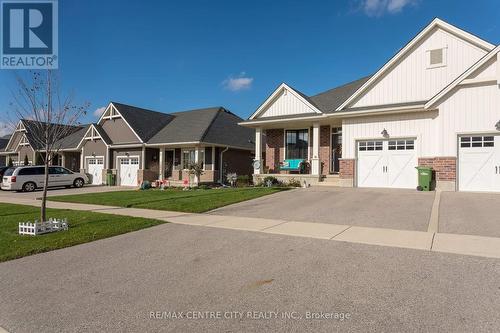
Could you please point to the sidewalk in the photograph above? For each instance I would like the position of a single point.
(420, 240)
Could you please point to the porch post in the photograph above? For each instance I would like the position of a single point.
(82, 159)
(213, 158)
(162, 162)
(63, 159)
(143, 159)
(33, 162)
(106, 160)
(196, 159)
(258, 151)
(315, 153)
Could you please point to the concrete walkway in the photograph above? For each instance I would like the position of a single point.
(421, 240)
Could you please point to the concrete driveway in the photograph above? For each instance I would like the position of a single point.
(380, 208)
(62, 191)
(470, 213)
(111, 286)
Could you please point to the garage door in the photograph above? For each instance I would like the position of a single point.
(94, 168)
(128, 171)
(387, 163)
(479, 163)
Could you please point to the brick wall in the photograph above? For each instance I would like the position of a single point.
(346, 169)
(324, 149)
(275, 150)
(445, 168)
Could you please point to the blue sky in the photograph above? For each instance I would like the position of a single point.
(177, 55)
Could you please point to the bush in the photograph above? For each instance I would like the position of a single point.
(270, 180)
(242, 181)
(294, 183)
(204, 187)
(146, 185)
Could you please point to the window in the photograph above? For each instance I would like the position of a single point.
(58, 171)
(401, 145)
(28, 172)
(296, 144)
(9, 172)
(370, 145)
(187, 158)
(477, 141)
(436, 58)
(134, 161)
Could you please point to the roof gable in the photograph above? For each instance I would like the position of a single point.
(284, 101)
(445, 30)
(485, 63)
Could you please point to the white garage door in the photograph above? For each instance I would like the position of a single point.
(479, 163)
(94, 168)
(128, 171)
(387, 163)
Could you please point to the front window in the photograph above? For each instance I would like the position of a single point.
(297, 144)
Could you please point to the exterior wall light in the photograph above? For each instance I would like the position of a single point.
(384, 133)
(498, 125)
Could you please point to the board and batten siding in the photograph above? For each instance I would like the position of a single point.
(411, 80)
(421, 125)
(286, 103)
(471, 109)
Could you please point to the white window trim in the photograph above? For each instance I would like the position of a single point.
(308, 140)
(428, 57)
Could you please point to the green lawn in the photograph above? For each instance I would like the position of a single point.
(83, 227)
(191, 201)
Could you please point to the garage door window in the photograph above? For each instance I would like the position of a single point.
(401, 145)
(477, 141)
(370, 145)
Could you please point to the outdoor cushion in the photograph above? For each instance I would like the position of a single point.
(292, 164)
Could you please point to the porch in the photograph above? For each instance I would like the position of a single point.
(317, 145)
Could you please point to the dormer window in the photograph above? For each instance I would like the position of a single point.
(436, 58)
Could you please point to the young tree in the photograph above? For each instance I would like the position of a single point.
(26, 161)
(47, 115)
(196, 169)
(10, 164)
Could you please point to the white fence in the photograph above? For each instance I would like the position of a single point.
(39, 228)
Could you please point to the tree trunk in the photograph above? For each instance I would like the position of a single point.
(43, 209)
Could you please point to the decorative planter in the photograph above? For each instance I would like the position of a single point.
(38, 228)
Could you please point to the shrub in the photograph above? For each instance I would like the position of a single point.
(294, 183)
(231, 178)
(273, 181)
(146, 185)
(26, 161)
(204, 187)
(242, 181)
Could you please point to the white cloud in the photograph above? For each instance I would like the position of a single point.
(98, 112)
(241, 82)
(381, 7)
(5, 129)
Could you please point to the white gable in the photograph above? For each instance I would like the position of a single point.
(411, 79)
(285, 102)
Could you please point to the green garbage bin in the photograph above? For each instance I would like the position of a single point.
(424, 178)
(110, 179)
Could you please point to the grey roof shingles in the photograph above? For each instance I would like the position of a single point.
(146, 123)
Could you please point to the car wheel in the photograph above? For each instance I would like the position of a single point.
(29, 187)
(78, 183)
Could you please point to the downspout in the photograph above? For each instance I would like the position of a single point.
(221, 164)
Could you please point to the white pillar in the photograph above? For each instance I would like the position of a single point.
(315, 167)
(82, 159)
(33, 162)
(258, 151)
(498, 68)
(143, 159)
(162, 163)
(106, 159)
(63, 159)
(213, 158)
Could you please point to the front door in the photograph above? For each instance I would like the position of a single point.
(169, 163)
(336, 149)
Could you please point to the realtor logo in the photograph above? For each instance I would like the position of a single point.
(29, 34)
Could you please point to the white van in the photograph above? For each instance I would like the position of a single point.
(29, 178)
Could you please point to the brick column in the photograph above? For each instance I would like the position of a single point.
(324, 149)
(445, 170)
(275, 152)
(346, 172)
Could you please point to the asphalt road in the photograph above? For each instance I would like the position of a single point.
(114, 284)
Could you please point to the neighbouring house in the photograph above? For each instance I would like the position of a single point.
(435, 103)
(137, 144)
(3, 143)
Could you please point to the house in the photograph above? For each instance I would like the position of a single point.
(435, 103)
(138, 144)
(3, 143)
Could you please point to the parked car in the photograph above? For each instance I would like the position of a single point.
(29, 178)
